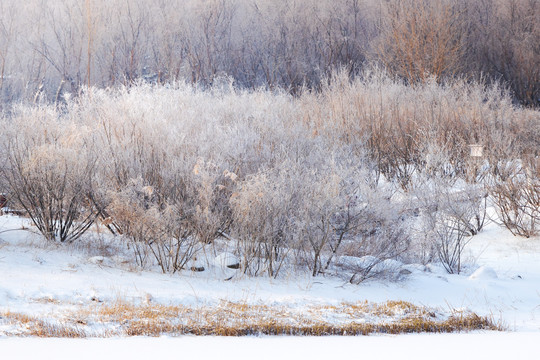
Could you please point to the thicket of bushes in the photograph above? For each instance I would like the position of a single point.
(329, 181)
(48, 48)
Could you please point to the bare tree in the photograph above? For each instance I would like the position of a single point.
(423, 39)
(516, 194)
(504, 46)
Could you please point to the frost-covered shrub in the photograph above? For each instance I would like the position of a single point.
(447, 217)
(516, 196)
(263, 215)
(49, 172)
(300, 211)
(379, 232)
(210, 189)
(399, 123)
(153, 226)
(191, 149)
(326, 217)
(283, 182)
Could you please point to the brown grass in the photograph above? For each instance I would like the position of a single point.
(240, 319)
(33, 326)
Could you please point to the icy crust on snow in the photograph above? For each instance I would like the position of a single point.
(502, 280)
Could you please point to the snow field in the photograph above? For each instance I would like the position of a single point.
(491, 345)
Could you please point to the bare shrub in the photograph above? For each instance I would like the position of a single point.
(49, 173)
(154, 227)
(398, 124)
(380, 235)
(210, 190)
(449, 217)
(516, 195)
(129, 211)
(421, 39)
(450, 239)
(326, 215)
(263, 213)
(285, 182)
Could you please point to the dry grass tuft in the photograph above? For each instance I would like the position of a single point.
(122, 318)
(33, 326)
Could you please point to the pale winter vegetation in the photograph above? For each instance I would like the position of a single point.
(348, 180)
(313, 136)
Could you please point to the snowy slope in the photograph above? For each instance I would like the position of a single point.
(502, 280)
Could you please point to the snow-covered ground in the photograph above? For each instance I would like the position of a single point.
(502, 281)
(515, 346)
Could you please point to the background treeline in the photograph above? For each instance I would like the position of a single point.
(48, 48)
(348, 180)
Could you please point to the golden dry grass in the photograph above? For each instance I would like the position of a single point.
(34, 326)
(122, 318)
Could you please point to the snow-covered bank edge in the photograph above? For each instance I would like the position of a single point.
(482, 345)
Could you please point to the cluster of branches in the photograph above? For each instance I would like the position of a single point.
(48, 48)
(337, 180)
